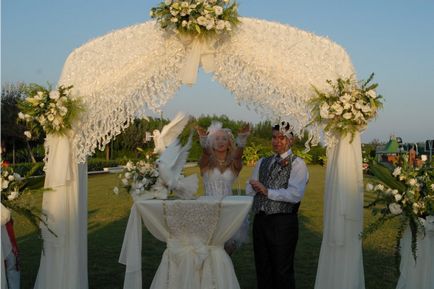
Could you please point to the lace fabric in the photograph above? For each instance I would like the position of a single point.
(218, 184)
(269, 67)
(186, 219)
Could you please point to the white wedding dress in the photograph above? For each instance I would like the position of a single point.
(219, 184)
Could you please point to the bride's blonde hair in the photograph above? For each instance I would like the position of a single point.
(212, 130)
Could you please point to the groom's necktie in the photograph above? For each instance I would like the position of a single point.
(276, 162)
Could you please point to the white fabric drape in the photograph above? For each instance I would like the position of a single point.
(419, 274)
(188, 262)
(64, 259)
(340, 264)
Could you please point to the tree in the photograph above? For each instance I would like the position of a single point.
(12, 133)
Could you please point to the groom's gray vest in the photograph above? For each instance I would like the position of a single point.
(274, 177)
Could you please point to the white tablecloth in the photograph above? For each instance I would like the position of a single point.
(419, 274)
(195, 232)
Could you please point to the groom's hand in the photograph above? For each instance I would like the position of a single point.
(259, 187)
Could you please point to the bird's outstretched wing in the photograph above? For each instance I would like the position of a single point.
(171, 131)
(170, 165)
(181, 159)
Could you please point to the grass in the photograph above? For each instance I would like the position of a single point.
(108, 216)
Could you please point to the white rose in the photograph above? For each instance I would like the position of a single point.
(396, 171)
(184, 4)
(41, 105)
(337, 108)
(202, 21)
(167, 2)
(184, 23)
(220, 25)
(125, 182)
(398, 197)
(412, 182)
(324, 111)
(432, 187)
(395, 209)
(116, 190)
(50, 117)
(345, 98)
(13, 195)
(379, 187)
(210, 24)
(54, 94)
(347, 105)
(218, 10)
(366, 108)
(5, 184)
(11, 178)
(174, 19)
(348, 115)
(369, 187)
(128, 175)
(129, 166)
(21, 115)
(371, 93)
(394, 192)
(28, 134)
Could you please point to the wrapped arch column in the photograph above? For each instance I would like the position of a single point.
(340, 264)
(64, 257)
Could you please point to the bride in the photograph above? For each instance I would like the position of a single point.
(220, 164)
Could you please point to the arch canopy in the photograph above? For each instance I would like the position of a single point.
(269, 67)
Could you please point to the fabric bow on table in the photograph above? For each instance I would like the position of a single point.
(199, 51)
(188, 256)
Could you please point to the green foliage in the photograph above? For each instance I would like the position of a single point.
(100, 164)
(34, 169)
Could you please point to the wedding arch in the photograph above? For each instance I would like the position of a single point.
(267, 66)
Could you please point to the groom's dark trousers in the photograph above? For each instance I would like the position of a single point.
(274, 241)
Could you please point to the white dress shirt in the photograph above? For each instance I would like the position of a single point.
(296, 183)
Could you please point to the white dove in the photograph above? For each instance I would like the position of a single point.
(170, 132)
(170, 165)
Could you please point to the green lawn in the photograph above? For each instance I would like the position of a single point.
(108, 215)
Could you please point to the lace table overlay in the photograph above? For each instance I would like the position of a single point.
(186, 219)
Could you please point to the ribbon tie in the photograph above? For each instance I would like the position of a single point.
(200, 51)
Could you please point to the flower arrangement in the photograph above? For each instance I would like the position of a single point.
(14, 188)
(48, 111)
(141, 179)
(348, 107)
(197, 17)
(407, 193)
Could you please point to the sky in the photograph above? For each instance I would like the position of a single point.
(393, 39)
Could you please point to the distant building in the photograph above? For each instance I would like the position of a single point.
(390, 152)
(395, 147)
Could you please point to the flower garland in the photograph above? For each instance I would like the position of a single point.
(407, 193)
(196, 17)
(13, 189)
(348, 107)
(48, 111)
(141, 179)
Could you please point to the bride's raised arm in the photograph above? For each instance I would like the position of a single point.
(241, 141)
(204, 159)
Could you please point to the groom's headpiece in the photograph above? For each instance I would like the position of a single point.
(284, 128)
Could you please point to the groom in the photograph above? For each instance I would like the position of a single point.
(277, 183)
